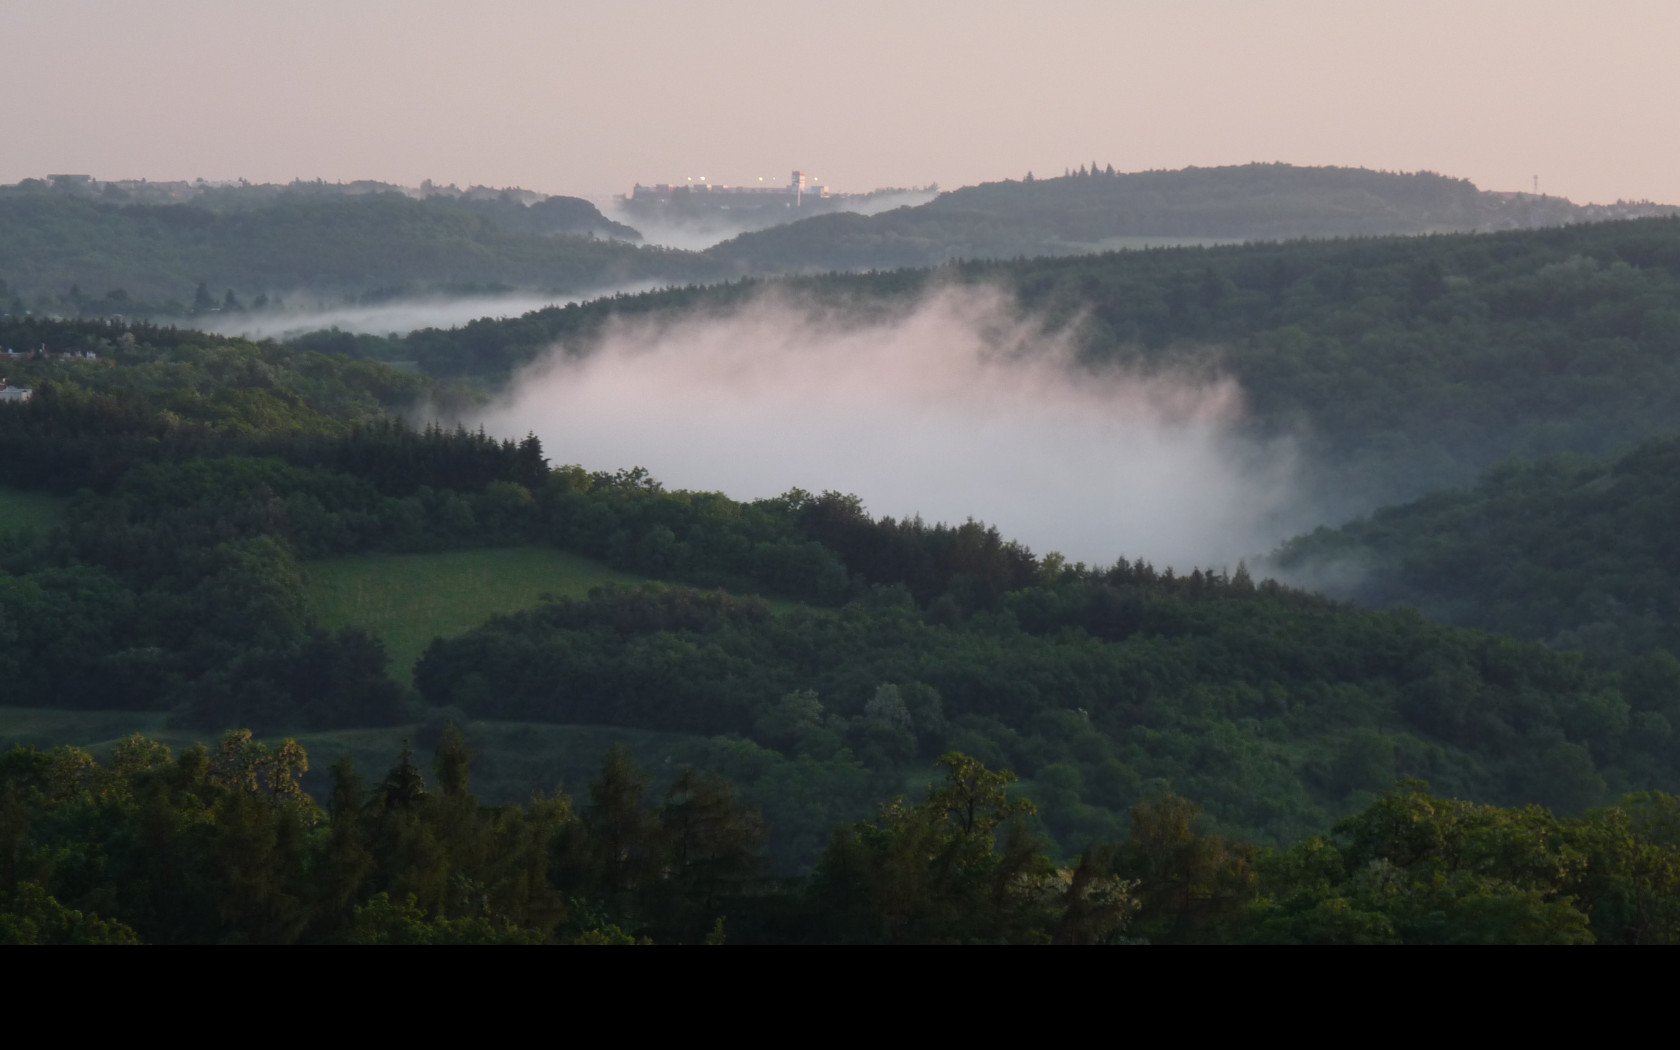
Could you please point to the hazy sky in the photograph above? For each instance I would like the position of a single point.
(588, 98)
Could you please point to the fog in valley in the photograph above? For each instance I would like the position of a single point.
(394, 316)
(958, 408)
(694, 236)
(702, 231)
(886, 200)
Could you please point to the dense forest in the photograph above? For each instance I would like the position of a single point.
(208, 472)
(225, 846)
(1201, 756)
(1574, 552)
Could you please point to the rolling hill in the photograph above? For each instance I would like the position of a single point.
(1574, 552)
(100, 253)
(1092, 211)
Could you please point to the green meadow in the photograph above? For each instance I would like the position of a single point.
(409, 599)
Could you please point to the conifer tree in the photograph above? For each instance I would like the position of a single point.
(452, 764)
(404, 785)
(625, 831)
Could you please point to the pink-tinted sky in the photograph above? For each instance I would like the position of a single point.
(587, 98)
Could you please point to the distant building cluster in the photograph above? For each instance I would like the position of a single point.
(703, 195)
(137, 190)
(10, 394)
(41, 353)
(1501, 210)
(429, 189)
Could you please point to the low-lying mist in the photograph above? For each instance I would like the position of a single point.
(960, 407)
(698, 232)
(399, 316)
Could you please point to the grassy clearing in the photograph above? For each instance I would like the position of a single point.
(409, 599)
(20, 510)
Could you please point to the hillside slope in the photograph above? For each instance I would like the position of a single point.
(1091, 211)
(149, 258)
(1577, 553)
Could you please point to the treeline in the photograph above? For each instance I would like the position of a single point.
(226, 847)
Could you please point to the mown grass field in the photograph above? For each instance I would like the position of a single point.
(409, 599)
(21, 510)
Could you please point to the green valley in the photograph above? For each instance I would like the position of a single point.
(245, 543)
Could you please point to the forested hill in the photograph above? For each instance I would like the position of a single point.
(515, 209)
(90, 253)
(172, 250)
(1577, 553)
(1402, 364)
(1092, 210)
(210, 475)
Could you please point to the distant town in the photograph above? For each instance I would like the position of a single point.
(691, 198)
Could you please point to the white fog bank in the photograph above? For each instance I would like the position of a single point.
(957, 409)
(396, 316)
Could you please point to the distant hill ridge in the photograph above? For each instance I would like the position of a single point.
(1091, 210)
(81, 247)
(515, 209)
(1251, 201)
(147, 249)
